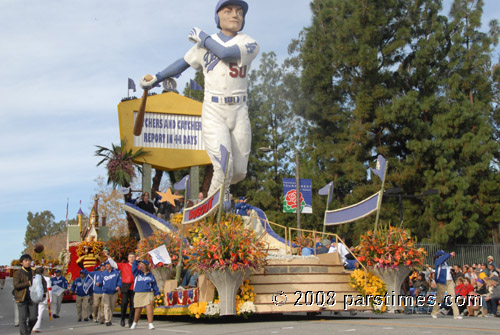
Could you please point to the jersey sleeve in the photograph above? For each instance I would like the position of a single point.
(194, 57)
(249, 49)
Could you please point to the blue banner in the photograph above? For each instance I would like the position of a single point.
(289, 196)
(353, 212)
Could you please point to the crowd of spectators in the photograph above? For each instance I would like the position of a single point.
(476, 289)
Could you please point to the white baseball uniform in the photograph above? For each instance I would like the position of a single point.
(225, 111)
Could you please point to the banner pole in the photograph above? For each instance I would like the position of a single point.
(178, 269)
(380, 196)
(327, 203)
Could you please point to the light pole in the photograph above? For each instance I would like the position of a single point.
(398, 192)
(297, 181)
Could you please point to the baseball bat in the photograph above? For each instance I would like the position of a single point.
(139, 121)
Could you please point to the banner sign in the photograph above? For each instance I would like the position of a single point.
(289, 196)
(203, 209)
(88, 283)
(352, 213)
(170, 131)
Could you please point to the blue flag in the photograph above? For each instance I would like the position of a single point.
(131, 84)
(327, 190)
(183, 185)
(380, 169)
(195, 86)
(223, 158)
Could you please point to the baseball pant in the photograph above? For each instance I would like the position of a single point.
(98, 308)
(28, 314)
(127, 297)
(57, 302)
(228, 125)
(82, 302)
(449, 288)
(109, 301)
(42, 307)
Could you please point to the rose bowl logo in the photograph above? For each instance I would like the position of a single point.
(290, 202)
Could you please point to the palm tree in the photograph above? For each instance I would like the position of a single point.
(120, 166)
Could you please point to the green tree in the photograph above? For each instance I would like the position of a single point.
(41, 224)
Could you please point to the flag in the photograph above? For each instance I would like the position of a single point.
(380, 168)
(183, 185)
(194, 85)
(57, 290)
(67, 207)
(327, 190)
(88, 283)
(160, 255)
(131, 84)
(223, 158)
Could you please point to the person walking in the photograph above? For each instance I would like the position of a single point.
(82, 297)
(59, 284)
(144, 287)
(44, 305)
(28, 310)
(97, 307)
(111, 282)
(127, 287)
(445, 283)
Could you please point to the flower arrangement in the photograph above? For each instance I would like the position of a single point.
(245, 299)
(171, 240)
(227, 245)
(198, 309)
(374, 285)
(389, 247)
(120, 247)
(160, 301)
(90, 247)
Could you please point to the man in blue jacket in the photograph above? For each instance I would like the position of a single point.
(444, 282)
(110, 282)
(82, 297)
(97, 308)
(62, 283)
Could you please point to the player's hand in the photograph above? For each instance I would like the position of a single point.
(147, 83)
(196, 35)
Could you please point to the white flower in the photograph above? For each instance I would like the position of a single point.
(212, 309)
(248, 307)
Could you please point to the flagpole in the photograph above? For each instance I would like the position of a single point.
(380, 196)
(327, 203)
(179, 264)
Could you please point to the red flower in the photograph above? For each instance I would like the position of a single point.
(235, 267)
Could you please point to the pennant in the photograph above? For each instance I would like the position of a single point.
(183, 185)
(88, 283)
(204, 208)
(380, 168)
(160, 255)
(353, 212)
(223, 158)
(131, 84)
(195, 86)
(67, 208)
(327, 190)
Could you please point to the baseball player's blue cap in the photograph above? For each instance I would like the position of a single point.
(223, 3)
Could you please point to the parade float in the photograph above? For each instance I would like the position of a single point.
(270, 277)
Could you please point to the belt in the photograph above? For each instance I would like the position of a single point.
(238, 99)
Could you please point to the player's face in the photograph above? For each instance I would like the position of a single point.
(231, 19)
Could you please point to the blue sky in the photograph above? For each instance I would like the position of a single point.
(63, 70)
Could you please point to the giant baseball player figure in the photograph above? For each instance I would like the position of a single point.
(225, 59)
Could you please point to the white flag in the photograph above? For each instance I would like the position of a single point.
(160, 254)
(57, 290)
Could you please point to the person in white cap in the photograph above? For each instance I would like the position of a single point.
(225, 59)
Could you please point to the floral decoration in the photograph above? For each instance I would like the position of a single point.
(389, 247)
(93, 247)
(171, 240)
(159, 301)
(225, 246)
(245, 299)
(120, 247)
(374, 285)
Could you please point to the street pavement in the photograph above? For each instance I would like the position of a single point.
(288, 324)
